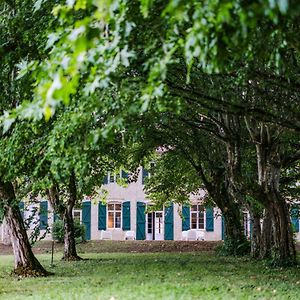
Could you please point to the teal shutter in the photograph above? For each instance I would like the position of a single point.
(86, 218)
(209, 219)
(43, 215)
(105, 179)
(223, 228)
(145, 174)
(169, 222)
(21, 207)
(56, 217)
(140, 221)
(186, 218)
(124, 175)
(295, 219)
(126, 215)
(101, 216)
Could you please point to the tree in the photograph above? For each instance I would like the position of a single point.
(20, 40)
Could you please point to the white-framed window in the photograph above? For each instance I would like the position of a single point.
(114, 176)
(197, 216)
(245, 223)
(77, 215)
(114, 215)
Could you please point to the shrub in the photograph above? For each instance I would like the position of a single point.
(58, 231)
(234, 247)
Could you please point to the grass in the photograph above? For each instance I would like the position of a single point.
(152, 276)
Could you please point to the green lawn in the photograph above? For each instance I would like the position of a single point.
(153, 276)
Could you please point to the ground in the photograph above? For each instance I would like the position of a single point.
(198, 274)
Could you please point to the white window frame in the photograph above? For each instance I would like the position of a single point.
(197, 214)
(114, 175)
(80, 216)
(114, 211)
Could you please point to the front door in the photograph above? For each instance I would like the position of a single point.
(155, 226)
(159, 226)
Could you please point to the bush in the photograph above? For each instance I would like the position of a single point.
(232, 247)
(58, 231)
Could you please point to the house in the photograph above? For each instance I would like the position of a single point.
(127, 214)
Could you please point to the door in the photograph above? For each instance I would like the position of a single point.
(155, 226)
(159, 226)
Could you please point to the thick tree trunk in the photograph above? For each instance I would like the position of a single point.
(284, 245)
(255, 235)
(70, 252)
(65, 210)
(266, 237)
(269, 168)
(235, 239)
(235, 242)
(26, 264)
(269, 162)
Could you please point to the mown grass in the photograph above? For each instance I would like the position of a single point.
(152, 276)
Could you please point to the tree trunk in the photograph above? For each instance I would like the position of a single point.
(26, 264)
(269, 169)
(266, 237)
(235, 242)
(255, 235)
(65, 210)
(284, 245)
(70, 252)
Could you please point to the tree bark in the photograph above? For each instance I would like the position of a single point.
(26, 264)
(65, 210)
(255, 235)
(266, 237)
(234, 239)
(217, 187)
(70, 252)
(269, 163)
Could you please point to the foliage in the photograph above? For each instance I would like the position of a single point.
(103, 43)
(233, 247)
(58, 231)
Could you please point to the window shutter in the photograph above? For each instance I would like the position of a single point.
(223, 228)
(251, 228)
(56, 217)
(169, 222)
(140, 221)
(186, 218)
(124, 175)
(86, 218)
(21, 207)
(105, 179)
(145, 174)
(126, 215)
(101, 216)
(43, 215)
(295, 219)
(209, 219)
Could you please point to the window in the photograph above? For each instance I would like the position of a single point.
(77, 215)
(245, 221)
(114, 212)
(149, 223)
(112, 177)
(197, 217)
